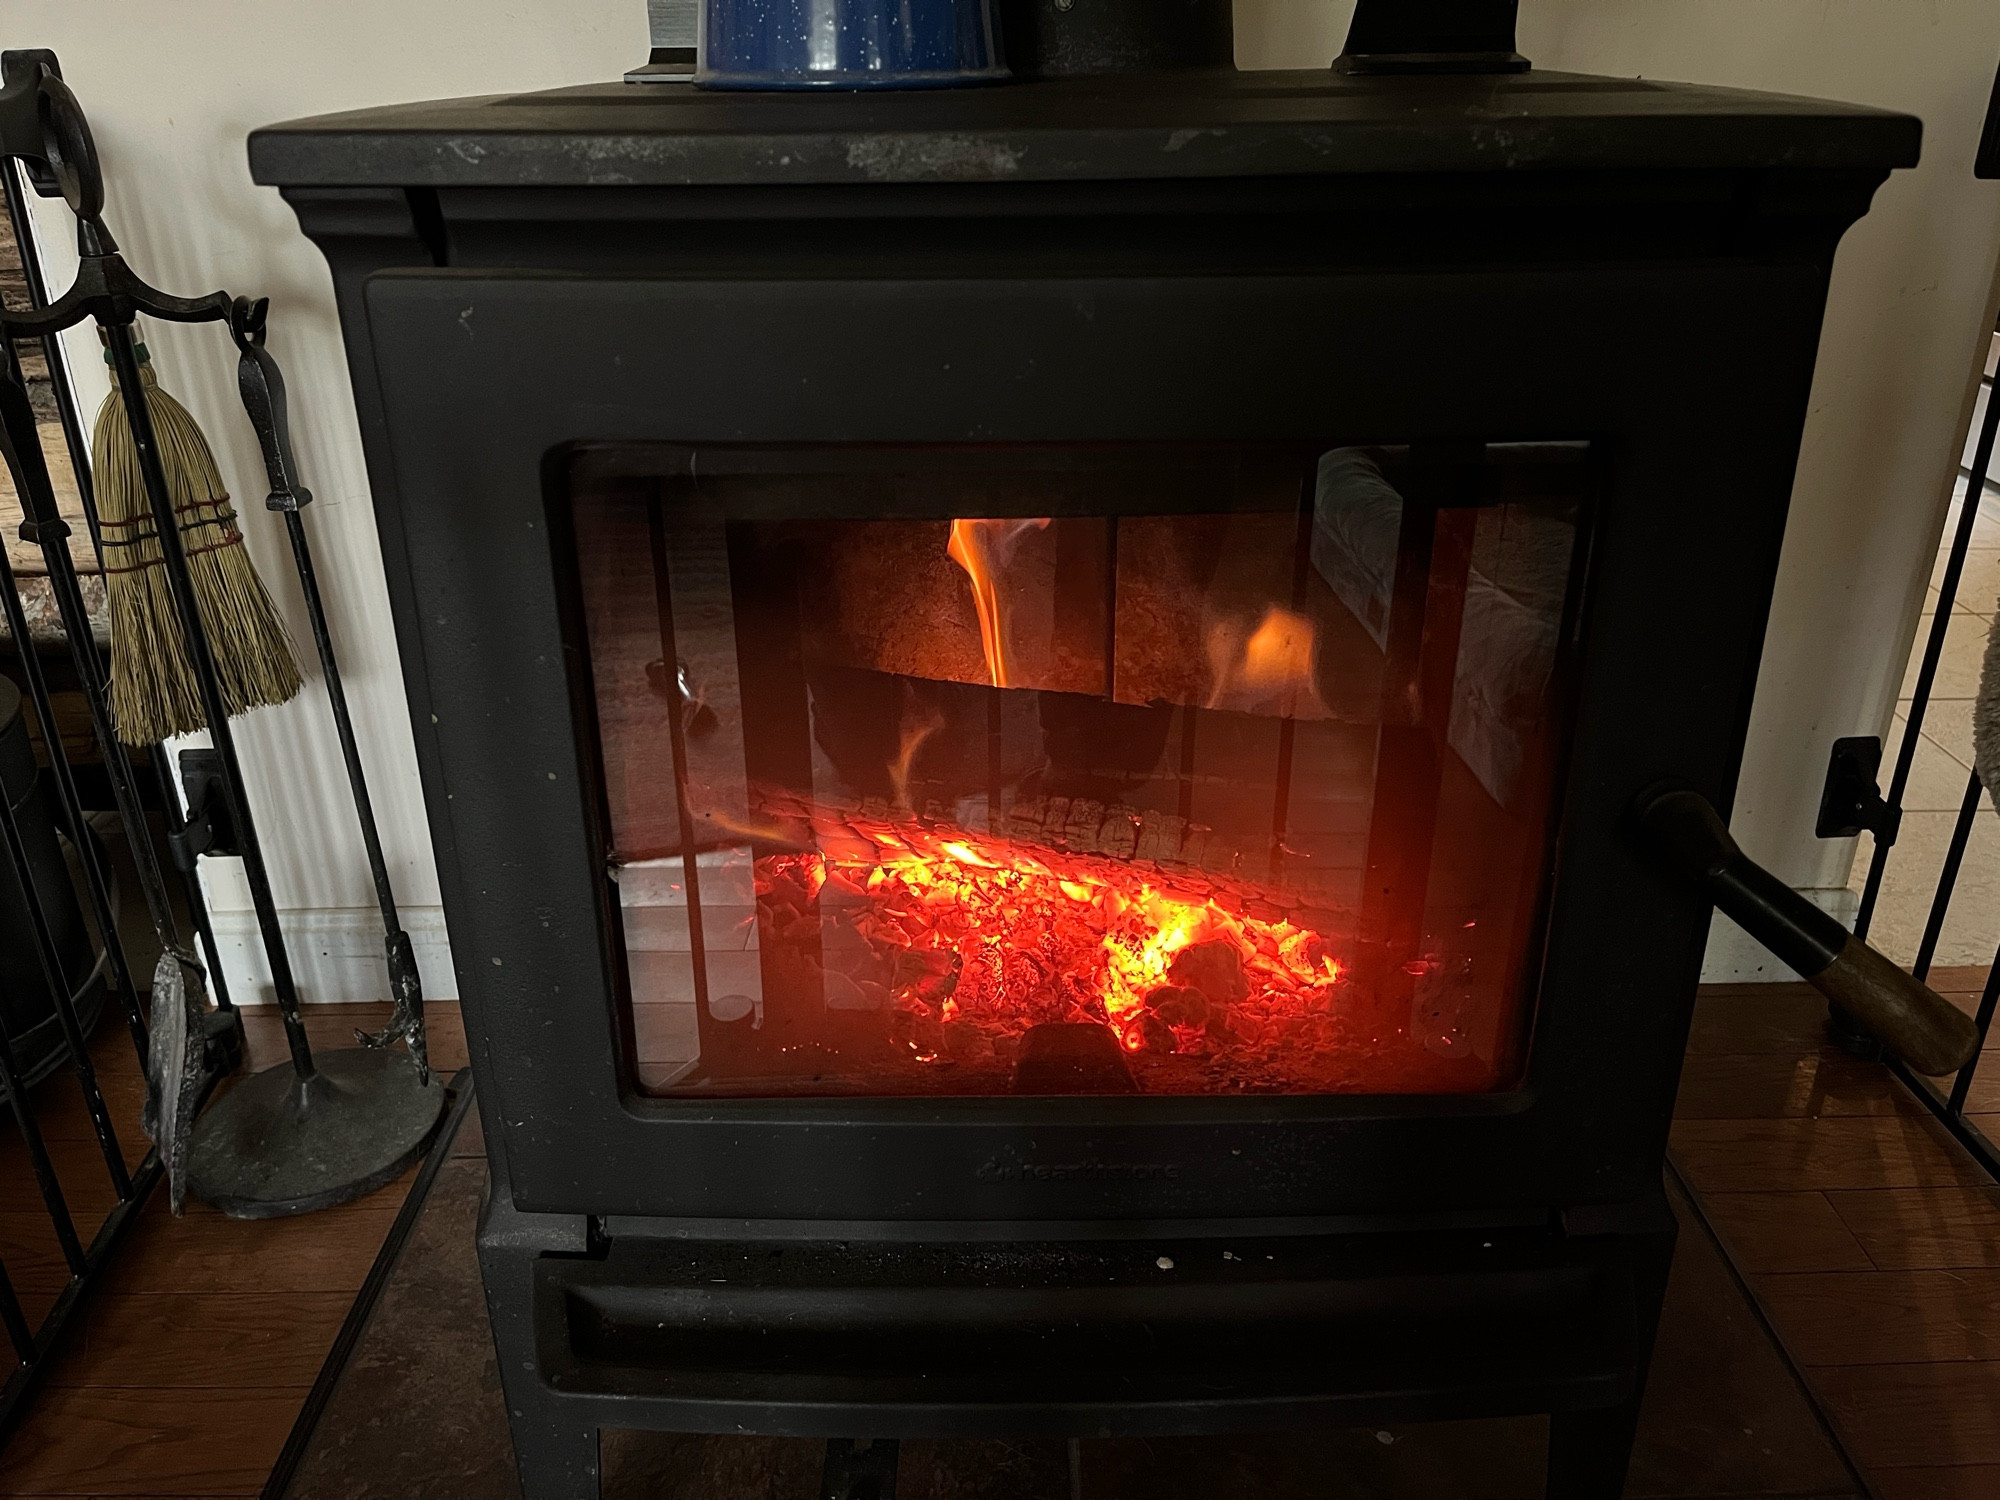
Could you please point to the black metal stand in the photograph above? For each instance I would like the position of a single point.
(319, 1132)
(282, 1142)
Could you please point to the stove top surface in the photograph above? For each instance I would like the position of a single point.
(1152, 126)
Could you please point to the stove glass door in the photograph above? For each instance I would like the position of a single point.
(1055, 770)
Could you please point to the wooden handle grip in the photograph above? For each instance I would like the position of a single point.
(1906, 1015)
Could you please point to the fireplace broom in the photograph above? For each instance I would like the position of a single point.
(154, 695)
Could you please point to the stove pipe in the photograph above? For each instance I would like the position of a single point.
(1431, 36)
(1061, 38)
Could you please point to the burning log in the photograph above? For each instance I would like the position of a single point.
(1178, 1005)
(1069, 1059)
(1214, 968)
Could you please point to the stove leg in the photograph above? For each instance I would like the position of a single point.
(555, 1446)
(1589, 1452)
(556, 1460)
(858, 1469)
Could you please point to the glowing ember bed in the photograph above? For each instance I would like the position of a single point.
(1231, 777)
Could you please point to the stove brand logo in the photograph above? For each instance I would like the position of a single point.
(1011, 1168)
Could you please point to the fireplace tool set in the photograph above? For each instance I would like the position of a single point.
(195, 640)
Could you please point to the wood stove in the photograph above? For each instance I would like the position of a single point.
(1029, 701)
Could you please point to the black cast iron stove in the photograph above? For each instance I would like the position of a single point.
(1029, 697)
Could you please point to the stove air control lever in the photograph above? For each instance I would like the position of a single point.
(1908, 1017)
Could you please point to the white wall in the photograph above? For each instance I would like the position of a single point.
(173, 89)
(1910, 310)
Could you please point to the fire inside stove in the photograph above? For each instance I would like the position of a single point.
(968, 945)
(1241, 787)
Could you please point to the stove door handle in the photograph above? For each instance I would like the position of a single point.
(1902, 1012)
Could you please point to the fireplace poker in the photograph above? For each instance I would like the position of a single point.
(262, 385)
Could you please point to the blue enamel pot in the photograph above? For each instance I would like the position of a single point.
(848, 44)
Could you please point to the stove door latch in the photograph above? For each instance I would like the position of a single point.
(1853, 800)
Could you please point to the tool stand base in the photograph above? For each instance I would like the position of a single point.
(276, 1144)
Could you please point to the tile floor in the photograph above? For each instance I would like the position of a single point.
(1943, 763)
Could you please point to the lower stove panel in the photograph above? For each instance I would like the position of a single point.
(1136, 1336)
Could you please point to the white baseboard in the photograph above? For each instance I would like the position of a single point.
(336, 955)
(1734, 957)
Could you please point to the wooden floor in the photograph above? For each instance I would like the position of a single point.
(1870, 1237)
(195, 1355)
(1871, 1240)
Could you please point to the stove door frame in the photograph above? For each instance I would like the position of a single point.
(1691, 376)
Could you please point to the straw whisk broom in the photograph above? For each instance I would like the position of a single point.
(154, 695)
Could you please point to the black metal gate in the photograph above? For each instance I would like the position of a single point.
(84, 1250)
(1947, 1103)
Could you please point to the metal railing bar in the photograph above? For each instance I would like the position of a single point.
(97, 876)
(84, 655)
(1989, 998)
(50, 958)
(16, 1391)
(1906, 753)
(74, 437)
(1967, 1134)
(359, 1314)
(18, 1332)
(1954, 857)
(36, 1347)
(1990, 484)
(38, 1154)
(97, 879)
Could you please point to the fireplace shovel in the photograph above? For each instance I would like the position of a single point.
(1903, 1013)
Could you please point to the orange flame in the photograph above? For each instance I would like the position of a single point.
(914, 736)
(983, 549)
(1269, 669)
